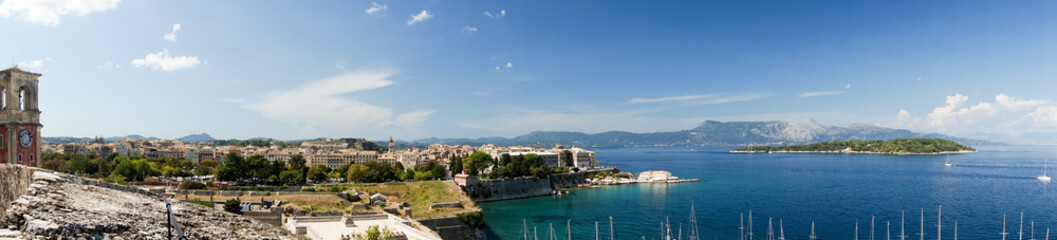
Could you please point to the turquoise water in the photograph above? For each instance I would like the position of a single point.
(833, 190)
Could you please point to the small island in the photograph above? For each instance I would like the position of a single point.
(894, 146)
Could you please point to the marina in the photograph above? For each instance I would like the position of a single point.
(801, 190)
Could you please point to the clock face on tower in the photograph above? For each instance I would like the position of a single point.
(25, 138)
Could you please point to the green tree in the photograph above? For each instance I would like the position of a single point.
(318, 173)
(438, 171)
(357, 173)
(206, 167)
(258, 166)
(296, 162)
(289, 176)
(379, 172)
(80, 164)
(408, 174)
(135, 170)
(455, 165)
(234, 168)
(476, 162)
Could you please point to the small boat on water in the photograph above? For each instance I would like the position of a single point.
(1043, 178)
(948, 163)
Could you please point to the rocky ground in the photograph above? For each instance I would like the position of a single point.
(55, 208)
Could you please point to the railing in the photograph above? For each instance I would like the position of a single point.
(172, 221)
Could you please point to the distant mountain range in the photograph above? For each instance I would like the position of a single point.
(709, 133)
(712, 133)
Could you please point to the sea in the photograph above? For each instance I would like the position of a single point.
(890, 195)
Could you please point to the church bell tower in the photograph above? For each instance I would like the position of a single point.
(19, 118)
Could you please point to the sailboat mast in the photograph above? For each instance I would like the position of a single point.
(551, 229)
(939, 224)
(750, 225)
(611, 228)
(856, 229)
(871, 227)
(1021, 225)
(955, 229)
(902, 226)
(812, 230)
(741, 227)
(770, 229)
(922, 234)
(524, 224)
(781, 230)
(1003, 233)
(596, 231)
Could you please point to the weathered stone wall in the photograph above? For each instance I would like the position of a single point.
(14, 179)
(526, 187)
(506, 189)
(450, 228)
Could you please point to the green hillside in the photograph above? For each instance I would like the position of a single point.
(902, 145)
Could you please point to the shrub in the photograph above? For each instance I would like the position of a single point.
(203, 203)
(472, 219)
(186, 185)
(233, 206)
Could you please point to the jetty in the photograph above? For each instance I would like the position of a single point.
(653, 176)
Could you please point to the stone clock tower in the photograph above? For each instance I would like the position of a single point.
(19, 118)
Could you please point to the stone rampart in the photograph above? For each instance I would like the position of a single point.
(526, 187)
(14, 179)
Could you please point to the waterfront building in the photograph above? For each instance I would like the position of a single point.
(463, 179)
(584, 158)
(655, 176)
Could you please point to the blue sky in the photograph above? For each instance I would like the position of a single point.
(415, 69)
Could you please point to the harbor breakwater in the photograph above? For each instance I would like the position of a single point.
(526, 187)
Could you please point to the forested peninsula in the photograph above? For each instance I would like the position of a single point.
(894, 146)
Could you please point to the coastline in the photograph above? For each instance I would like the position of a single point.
(859, 152)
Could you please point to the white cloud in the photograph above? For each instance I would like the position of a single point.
(1006, 116)
(171, 37)
(847, 86)
(703, 99)
(162, 61)
(468, 30)
(496, 67)
(375, 7)
(412, 119)
(517, 123)
(422, 16)
(509, 64)
(498, 15)
(323, 104)
(34, 65)
(820, 93)
(1045, 116)
(109, 65)
(48, 12)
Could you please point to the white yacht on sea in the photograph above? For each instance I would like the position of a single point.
(1043, 178)
(948, 163)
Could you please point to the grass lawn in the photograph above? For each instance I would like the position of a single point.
(420, 195)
